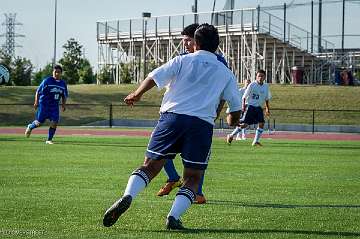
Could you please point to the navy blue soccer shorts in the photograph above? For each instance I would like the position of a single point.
(184, 134)
(253, 115)
(47, 112)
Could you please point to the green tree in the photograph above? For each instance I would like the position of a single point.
(357, 75)
(76, 68)
(41, 74)
(151, 66)
(86, 75)
(71, 61)
(21, 71)
(125, 73)
(105, 75)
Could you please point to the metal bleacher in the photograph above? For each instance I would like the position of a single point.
(249, 39)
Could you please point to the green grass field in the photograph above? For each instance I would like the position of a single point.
(286, 189)
(284, 97)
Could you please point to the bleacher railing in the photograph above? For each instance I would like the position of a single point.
(248, 19)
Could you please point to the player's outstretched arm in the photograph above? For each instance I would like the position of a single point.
(243, 104)
(135, 96)
(63, 105)
(219, 108)
(267, 108)
(36, 101)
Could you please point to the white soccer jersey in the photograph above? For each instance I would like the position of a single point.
(257, 94)
(196, 82)
(241, 93)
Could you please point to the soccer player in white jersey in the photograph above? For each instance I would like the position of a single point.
(252, 101)
(174, 180)
(196, 84)
(238, 129)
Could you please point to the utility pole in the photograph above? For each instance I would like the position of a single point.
(195, 10)
(55, 15)
(343, 26)
(146, 16)
(284, 23)
(312, 27)
(212, 13)
(320, 23)
(10, 35)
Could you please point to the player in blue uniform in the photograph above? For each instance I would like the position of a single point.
(46, 104)
(174, 180)
(196, 83)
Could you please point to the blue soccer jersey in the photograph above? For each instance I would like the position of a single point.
(51, 91)
(221, 59)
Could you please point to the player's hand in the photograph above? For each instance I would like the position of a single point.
(36, 105)
(63, 108)
(131, 99)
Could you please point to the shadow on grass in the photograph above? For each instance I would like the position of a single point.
(9, 139)
(266, 231)
(314, 145)
(275, 205)
(75, 143)
(97, 144)
(293, 145)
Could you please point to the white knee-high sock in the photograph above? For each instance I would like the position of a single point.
(235, 131)
(136, 183)
(183, 200)
(243, 132)
(258, 133)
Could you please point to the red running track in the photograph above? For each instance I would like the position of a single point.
(143, 132)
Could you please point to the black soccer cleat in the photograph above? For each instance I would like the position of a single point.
(173, 224)
(114, 212)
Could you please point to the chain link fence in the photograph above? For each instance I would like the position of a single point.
(113, 115)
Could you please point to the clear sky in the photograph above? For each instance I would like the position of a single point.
(77, 19)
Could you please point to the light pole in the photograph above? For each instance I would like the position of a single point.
(54, 59)
(343, 27)
(146, 16)
(320, 25)
(312, 27)
(194, 9)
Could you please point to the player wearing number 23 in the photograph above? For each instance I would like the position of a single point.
(47, 98)
(254, 97)
(256, 94)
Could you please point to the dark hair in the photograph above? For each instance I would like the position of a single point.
(190, 30)
(207, 37)
(261, 71)
(58, 67)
